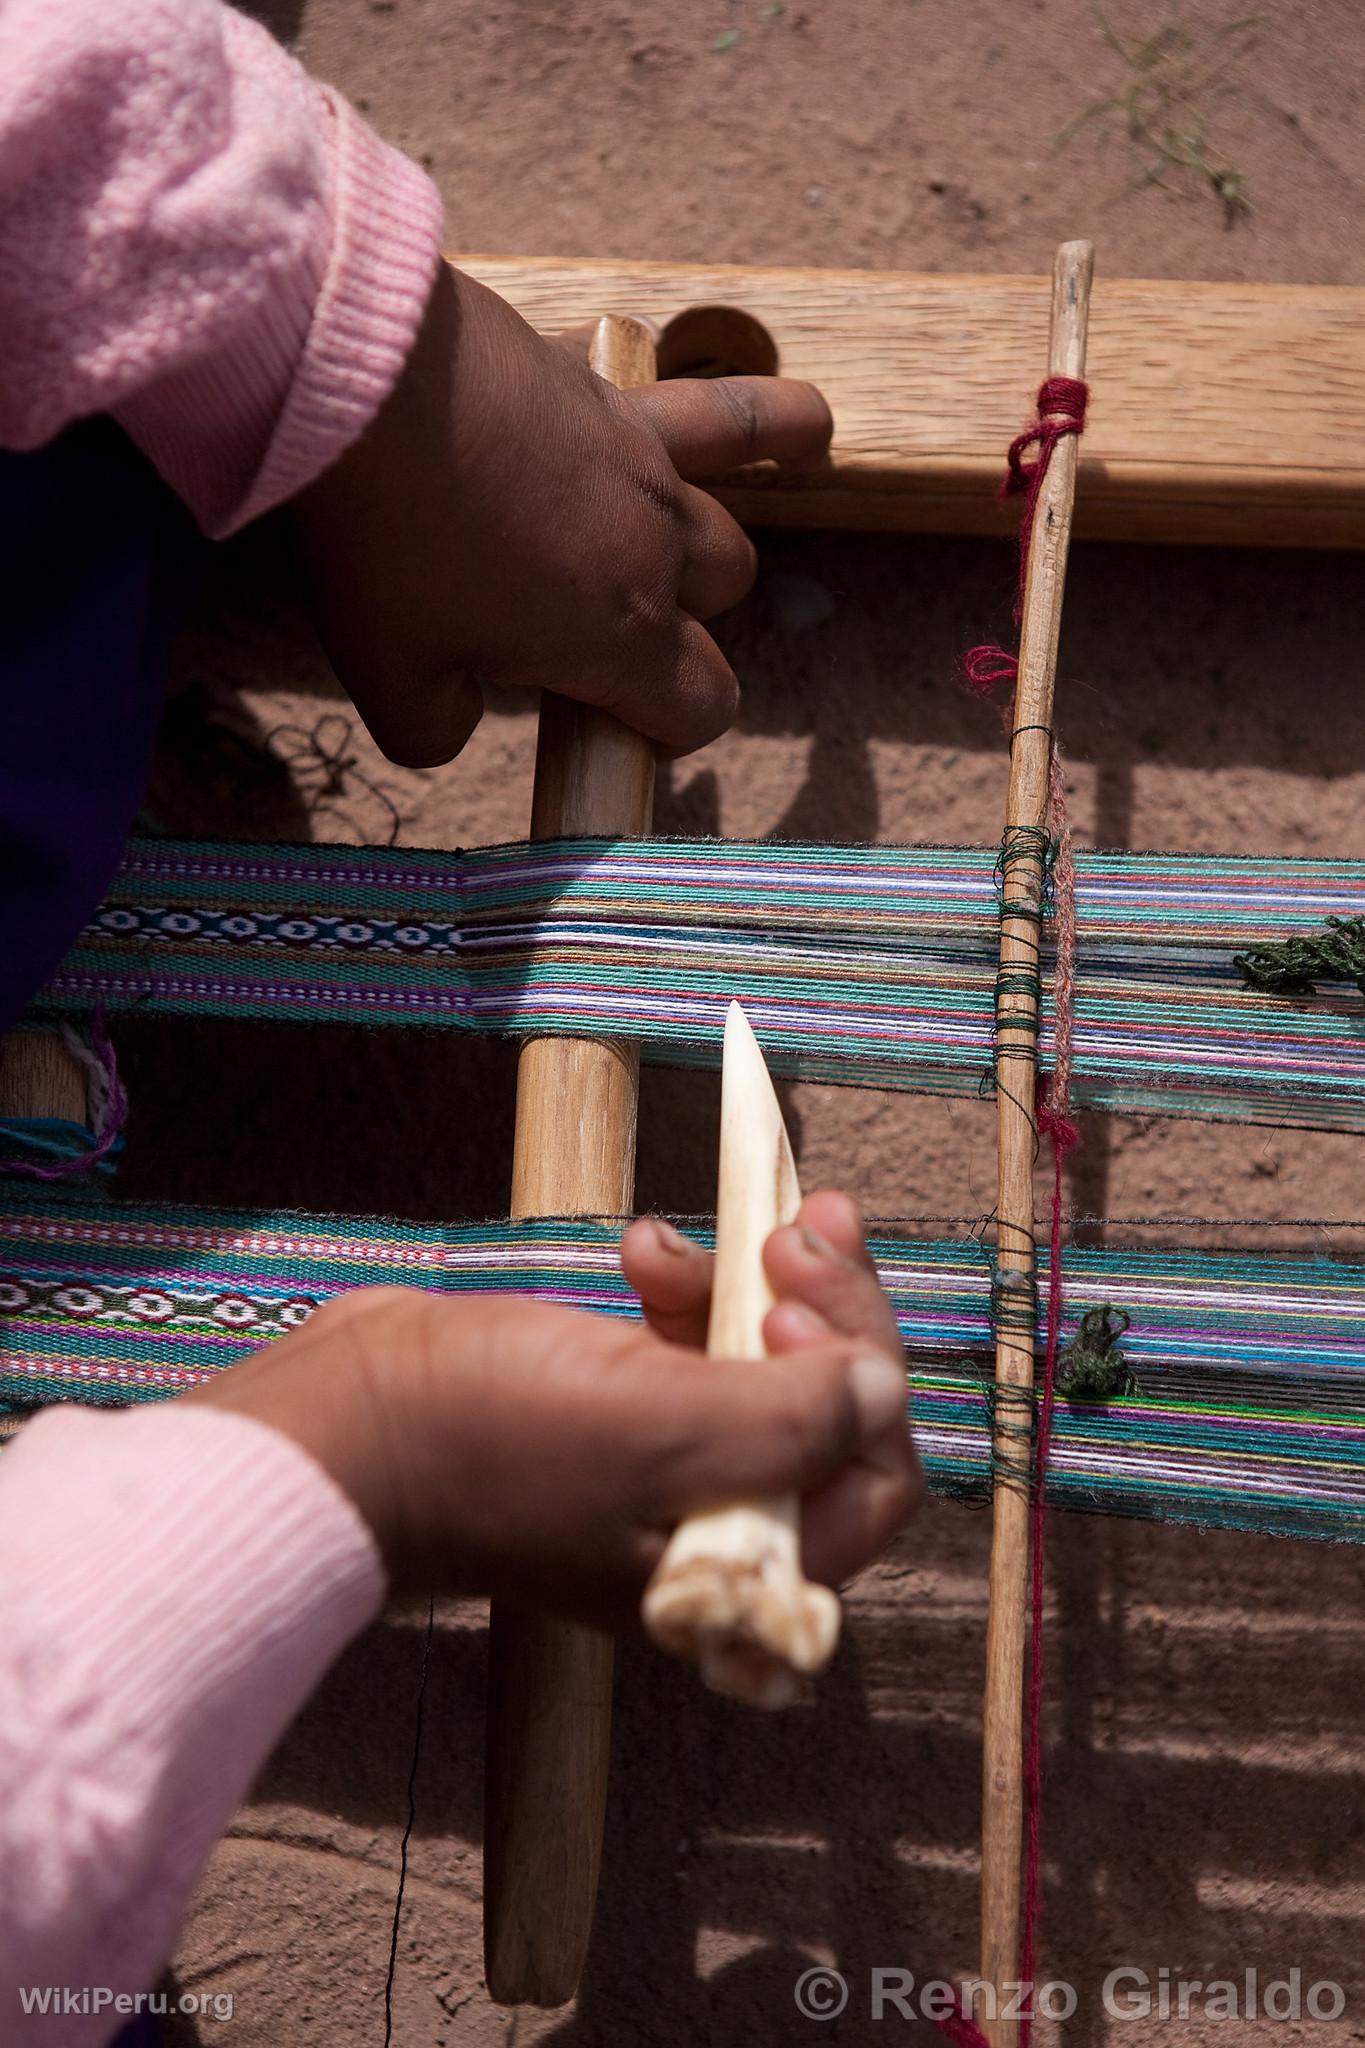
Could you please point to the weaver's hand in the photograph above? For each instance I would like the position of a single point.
(542, 1456)
(509, 518)
(826, 1286)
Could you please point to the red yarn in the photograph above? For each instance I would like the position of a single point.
(1061, 411)
(962, 2031)
(989, 665)
(1065, 1135)
(1065, 1138)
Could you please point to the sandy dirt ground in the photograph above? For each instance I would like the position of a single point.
(1204, 1786)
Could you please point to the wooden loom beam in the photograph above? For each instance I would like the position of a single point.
(1017, 1008)
(1225, 413)
(549, 1684)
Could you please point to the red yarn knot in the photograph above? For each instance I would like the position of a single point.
(1053, 1122)
(988, 666)
(1061, 411)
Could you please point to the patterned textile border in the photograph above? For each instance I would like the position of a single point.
(1250, 1409)
(868, 965)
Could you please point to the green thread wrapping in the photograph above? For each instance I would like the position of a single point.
(1014, 1304)
(1013, 1410)
(1013, 1413)
(1091, 1367)
(1294, 967)
(1024, 866)
(1030, 848)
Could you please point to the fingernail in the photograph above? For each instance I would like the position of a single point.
(879, 1391)
(670, 1240)
(821, 1247)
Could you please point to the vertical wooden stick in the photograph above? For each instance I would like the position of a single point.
(549, 1685)
(1016, 1036)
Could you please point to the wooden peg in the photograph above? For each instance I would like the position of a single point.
(549, 1683)
(40, 1076)
(729, 1591)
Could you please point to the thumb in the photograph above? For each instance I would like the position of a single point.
(738, 1429)
(420, 727)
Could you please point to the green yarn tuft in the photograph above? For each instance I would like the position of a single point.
(1091, 1367)
(1294, 967)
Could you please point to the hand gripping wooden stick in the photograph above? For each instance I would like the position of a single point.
(1026, 818)
(549, 1683)
(728, 1591)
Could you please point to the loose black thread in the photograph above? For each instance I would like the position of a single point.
(325, 767)
(411, 1824)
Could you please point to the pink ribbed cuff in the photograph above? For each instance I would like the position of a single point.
(242, 429)
(177, 1580)
(386, 246)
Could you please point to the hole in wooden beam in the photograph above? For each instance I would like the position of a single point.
(716, 341)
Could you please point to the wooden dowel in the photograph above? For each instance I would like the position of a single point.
(1017, 1002)
(40, 1076)
(549, 1683)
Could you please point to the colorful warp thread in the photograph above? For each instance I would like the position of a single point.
(873, 965)
(1251, 1366)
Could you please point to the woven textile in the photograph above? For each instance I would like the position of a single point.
(870, 965)
(1250, 1368)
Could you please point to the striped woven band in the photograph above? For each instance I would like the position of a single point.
(871, 965)
(1248, 1366)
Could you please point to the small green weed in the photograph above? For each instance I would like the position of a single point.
(1176, 77)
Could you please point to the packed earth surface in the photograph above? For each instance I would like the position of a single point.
(1203, 1808)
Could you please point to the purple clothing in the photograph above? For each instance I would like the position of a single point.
(101, 561)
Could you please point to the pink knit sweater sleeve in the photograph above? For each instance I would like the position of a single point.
(176, 1580)
(198, 238)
